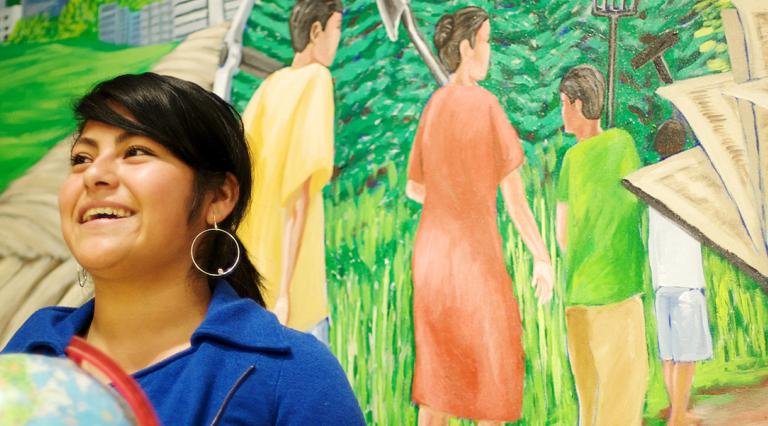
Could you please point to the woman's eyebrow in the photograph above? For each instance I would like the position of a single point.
(84, 140)
(125, 135)
(122, 137)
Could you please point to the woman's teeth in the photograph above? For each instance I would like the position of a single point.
(104, 213)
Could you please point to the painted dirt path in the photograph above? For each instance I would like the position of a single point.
(743, 406)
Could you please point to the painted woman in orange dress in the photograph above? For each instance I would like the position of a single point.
(469, 354)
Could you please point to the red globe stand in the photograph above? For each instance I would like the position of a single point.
(79, 350)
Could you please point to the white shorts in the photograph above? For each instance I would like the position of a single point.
(683, 324)
(320, 331)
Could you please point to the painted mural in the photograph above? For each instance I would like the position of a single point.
(521, 212)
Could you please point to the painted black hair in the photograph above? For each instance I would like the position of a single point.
(200, 129)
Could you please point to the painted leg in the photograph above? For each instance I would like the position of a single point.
(582, 363)
(682, 379)
(668, 366)
(621, 360)
(430, 417)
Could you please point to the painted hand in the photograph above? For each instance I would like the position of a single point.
(543, 280)
(281, 310)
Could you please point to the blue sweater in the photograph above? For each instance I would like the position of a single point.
(242, 366)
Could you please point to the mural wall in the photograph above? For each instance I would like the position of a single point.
(672, 61)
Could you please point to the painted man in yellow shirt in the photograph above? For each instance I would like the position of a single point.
(289, 126)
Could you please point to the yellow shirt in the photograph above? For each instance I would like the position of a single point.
(289, 126)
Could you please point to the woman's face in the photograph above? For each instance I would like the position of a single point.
(125, 204)
(480, 56)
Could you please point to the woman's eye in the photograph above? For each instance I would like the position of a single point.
(134, 151)
(77, 159)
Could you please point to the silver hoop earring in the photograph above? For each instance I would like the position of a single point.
(220, 272)
(82, 276)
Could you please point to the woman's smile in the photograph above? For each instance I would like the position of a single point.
(104, 213)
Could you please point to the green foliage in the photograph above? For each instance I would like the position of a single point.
(267, 30)
(133, 5)
(709, 34)
(242, 89)
(40, 28)
(77, 17)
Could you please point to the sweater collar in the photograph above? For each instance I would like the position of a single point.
(230, 320)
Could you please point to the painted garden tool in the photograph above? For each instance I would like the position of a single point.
(613, 10)
(655, 52)
(232, 51)
(392, 13)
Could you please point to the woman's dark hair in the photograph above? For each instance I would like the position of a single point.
(454, 28)
(304, 14)
(199, 128)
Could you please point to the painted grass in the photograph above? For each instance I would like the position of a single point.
(41, 80)
(369, 239)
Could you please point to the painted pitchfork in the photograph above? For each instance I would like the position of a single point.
(392, 13)
(613, 9)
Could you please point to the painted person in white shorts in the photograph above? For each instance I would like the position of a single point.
(681, 308)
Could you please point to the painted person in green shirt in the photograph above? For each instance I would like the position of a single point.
(598, 231)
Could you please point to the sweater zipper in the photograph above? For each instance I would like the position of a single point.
(231, 393)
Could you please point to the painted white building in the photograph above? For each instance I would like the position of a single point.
(162, 21)
(8, 18)
(156, 23)
(36, 7)
(194, 15)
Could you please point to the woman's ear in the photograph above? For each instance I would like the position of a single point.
(465, 50)
(224, 200)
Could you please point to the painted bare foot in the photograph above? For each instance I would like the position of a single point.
(688, 419)
(693, 419)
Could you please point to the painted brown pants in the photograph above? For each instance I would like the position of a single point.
(609, 361)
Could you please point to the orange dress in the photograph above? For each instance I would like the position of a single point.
(469, 355)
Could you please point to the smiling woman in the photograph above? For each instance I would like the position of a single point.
(160, 164)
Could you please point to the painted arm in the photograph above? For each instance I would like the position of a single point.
(513, 192)
(296, 220)
(561, 225)
(415, 191)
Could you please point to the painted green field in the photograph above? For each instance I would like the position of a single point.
(369, 240)
(41, 80)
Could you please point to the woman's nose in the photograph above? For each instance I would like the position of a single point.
(101, 173)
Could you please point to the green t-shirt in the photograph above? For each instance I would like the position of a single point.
(605, 256)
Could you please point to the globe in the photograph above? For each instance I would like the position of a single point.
(37, 390)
